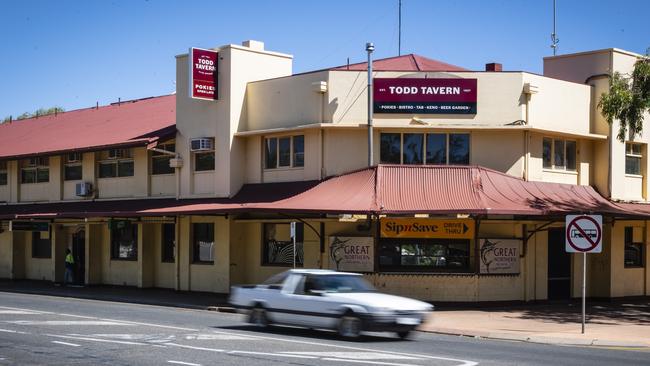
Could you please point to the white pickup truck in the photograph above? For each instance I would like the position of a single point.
(324, 299)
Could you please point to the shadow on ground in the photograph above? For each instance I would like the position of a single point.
(311, 333)
(628, 312)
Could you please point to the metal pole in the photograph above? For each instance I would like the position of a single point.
(294, 253)
(369, 48)
(584, 291)
(554, 38)
(399, 31)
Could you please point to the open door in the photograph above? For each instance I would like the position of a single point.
(79, 254)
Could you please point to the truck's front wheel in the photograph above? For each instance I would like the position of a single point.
(350, 326)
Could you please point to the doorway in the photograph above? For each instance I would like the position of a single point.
(79, 254)
(559, 266)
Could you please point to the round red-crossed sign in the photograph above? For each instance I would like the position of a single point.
(592, 243)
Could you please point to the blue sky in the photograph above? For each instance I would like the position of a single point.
(76, 53)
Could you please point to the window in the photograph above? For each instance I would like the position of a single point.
(3, 173)
(160, 161)
(72, 169)
(559, 154)
(116, 163)
(168, 242)
(35, 170)
(419, 148)
(203, 242)
(124, 240)
(424, 255)
(633, 248)
(41, 248)
(277, 246)
(203, 161)
(284, 152)
(633, 156)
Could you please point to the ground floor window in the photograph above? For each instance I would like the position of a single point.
(633, 248)
(124, 240)
(168, 242)
(203, 243)
(277, 246)
(426, 255)
(41, 248)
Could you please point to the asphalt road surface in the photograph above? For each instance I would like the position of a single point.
(42, 330)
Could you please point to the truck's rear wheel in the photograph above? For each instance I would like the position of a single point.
(258, 317)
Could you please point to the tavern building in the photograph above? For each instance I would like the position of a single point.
(475, 172)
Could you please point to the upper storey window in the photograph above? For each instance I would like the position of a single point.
(35, 170)
(559, 154)
(633, 157)
(115, 163)
(72, 169)
(284, 152)
(3, 173)
(160, 161)
(420, 148)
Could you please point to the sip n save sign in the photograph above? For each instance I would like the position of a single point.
(584, 233)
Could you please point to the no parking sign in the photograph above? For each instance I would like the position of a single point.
(584, 233)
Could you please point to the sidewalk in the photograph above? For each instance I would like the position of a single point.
(609, 324)
(134, 295)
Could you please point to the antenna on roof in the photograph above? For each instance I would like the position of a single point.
(348, 67)
(554, 39)
(399, 30)
(97, 105)
(119, 101)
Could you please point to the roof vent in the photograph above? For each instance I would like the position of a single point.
(253, 45)
(493, 66)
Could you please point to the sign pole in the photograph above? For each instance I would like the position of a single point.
(584, 291)
(293, 239)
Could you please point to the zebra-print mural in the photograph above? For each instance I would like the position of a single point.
(281, 252)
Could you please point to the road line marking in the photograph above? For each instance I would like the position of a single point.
(12, 331)
(270, 354)
(21, 309)
(66, 322)
(370, 362)
(357, 355)
(67, 344)
(184, 363)
(18, 312)
(98, 340)
(196, 348)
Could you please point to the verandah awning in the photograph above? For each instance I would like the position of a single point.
(383, 189)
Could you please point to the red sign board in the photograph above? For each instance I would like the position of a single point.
(203, 74)
(424, 96)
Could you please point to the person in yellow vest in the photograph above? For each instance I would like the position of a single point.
(69, 267)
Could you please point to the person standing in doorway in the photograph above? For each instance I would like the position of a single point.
(68, 278)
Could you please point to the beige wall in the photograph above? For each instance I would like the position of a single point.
(6, 253)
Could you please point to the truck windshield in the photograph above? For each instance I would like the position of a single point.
(337, 283)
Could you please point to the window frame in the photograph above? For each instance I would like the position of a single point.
(425, 146)
(447, 243)
(115, 244)
(629, 242)
(565, 144)
(106, 160)
(158, 157)
(45, 243)
(196, 251)
(41, 165)
(4, 173)
(73, 163)
(293, 153)
(300, 245)
(195, 159)
(631, 154)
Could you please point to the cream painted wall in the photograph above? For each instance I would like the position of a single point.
(117, 272)
(5, 193)
(94, 237)
(310, 170)
(502, 151)
(626, 281)
(36, 268)
(350, 144)
(6, 254)
(163, 185)
(50, 191)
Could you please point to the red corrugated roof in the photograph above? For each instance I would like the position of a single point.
(408, 62)
(130, 123)
(385, 189)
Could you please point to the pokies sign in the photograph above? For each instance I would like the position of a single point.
(203, 74)
(424, 96)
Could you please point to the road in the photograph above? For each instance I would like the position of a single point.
(37, 330)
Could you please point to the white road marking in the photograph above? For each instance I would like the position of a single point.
(12, 331)
(66, 322)
(21, 309)
(216, 337)
(197, 348)
(184, 363)
(67, 344)
(370, 362)
(98, 340)
(270, 354)
(357, 355)
(18, 312)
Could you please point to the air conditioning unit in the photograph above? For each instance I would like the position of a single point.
(116, 153)
(202, 144)
(83, 189)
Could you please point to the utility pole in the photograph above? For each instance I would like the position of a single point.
(399, 30)
(554, 39)
(369, 48)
